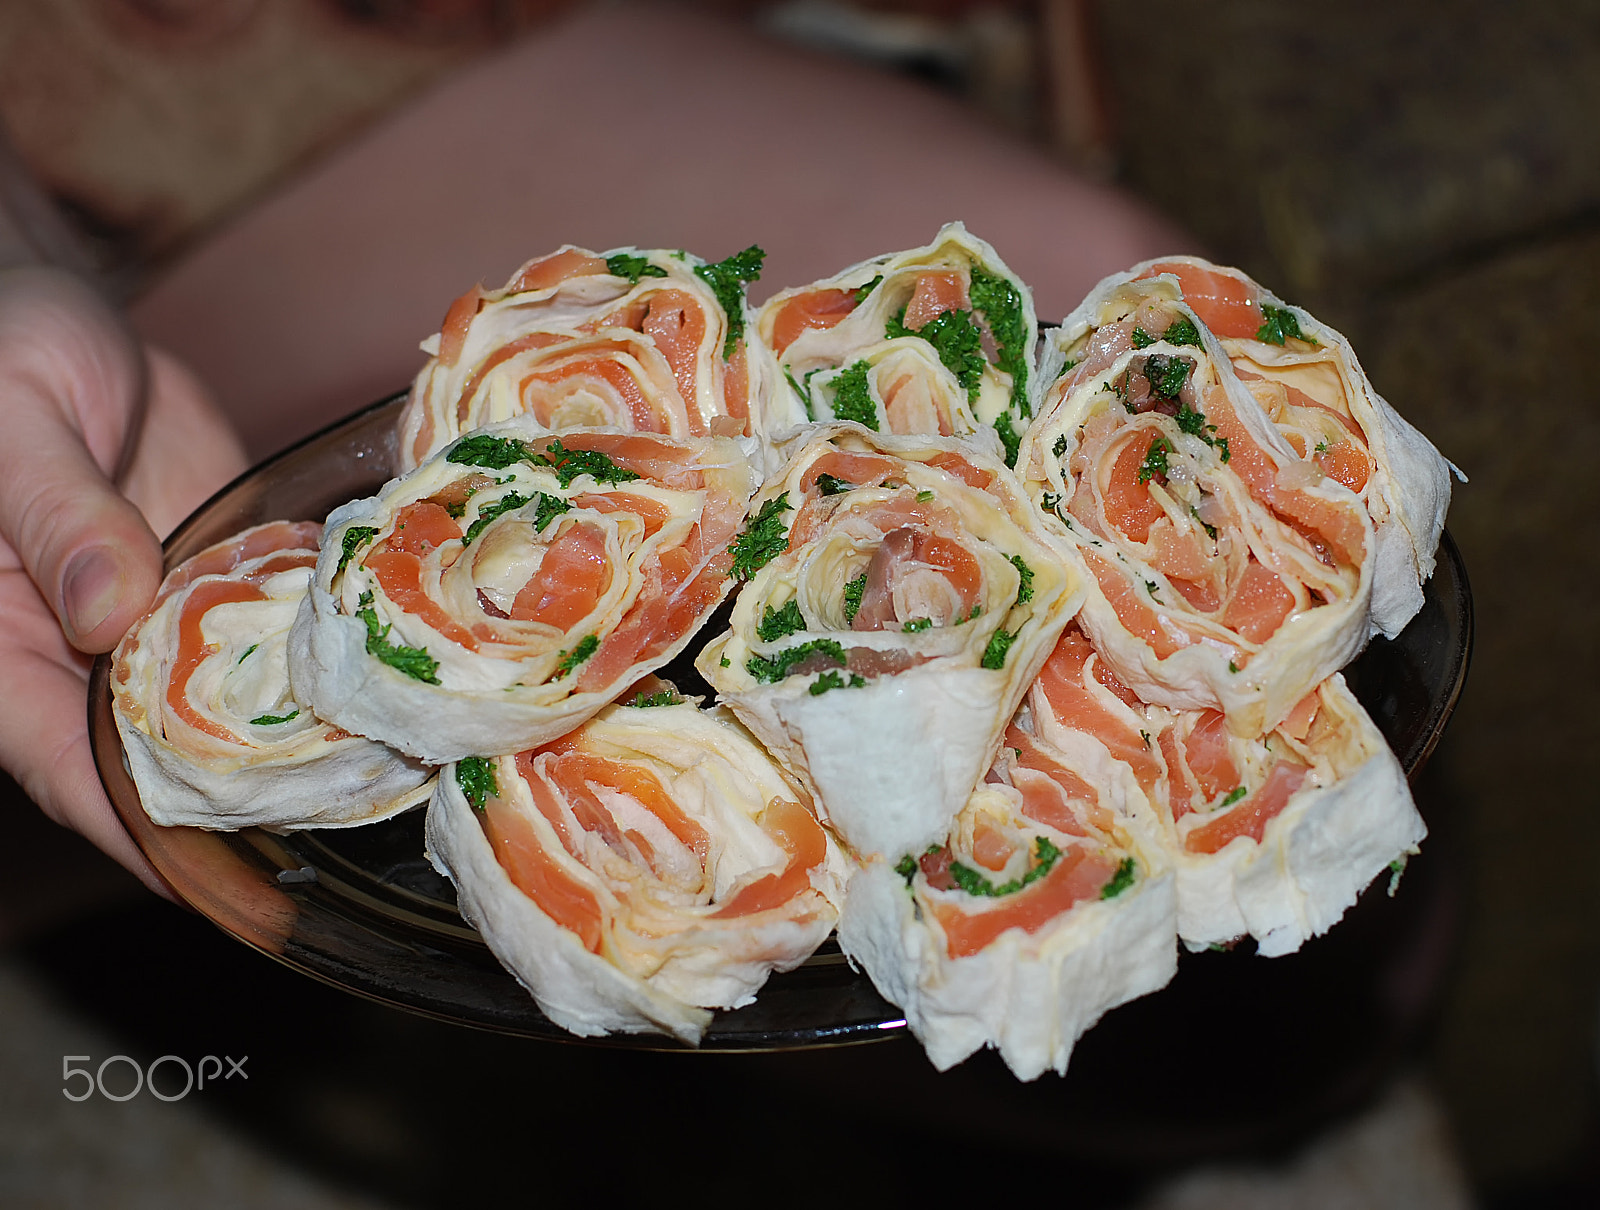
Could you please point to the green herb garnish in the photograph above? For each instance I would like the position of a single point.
(509, 502)
(1060, 447)
(955, 338)
(1025, 588)
(1234, 795)
(1155, 460)
(974, 883)
(916, 624)
(863, 291)
(247, 652)
(272, 720)
(1009, 437)
(567, 661)
(664, 698)
(569, 464)
(1167, 373)
(1281, 324)
(483, 449)
(727, 279)
(476, 777)
(906, 867)
(852, 397)
(764, 538)
(549, 508)
(805, 395)
(829, 485)
(779, 623)
(1182, 331)
(415, 662)
(621, 264)
(994, 655)
(775, 668)
(852, 596)
(1120, 881)
(354, 538)
(1000, 304)
(832, 680)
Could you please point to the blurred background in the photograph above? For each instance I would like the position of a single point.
(1425, 178)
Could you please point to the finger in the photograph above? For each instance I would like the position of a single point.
(71, 382)
(44, 743)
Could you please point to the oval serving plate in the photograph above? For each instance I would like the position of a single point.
(362, 909)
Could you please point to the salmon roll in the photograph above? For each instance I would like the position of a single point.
(1272, 836)
(643, 340)
(1307, 379)
(1040, 911)
(1225, 571)
(504, 591)
(648, 867)
(902, 593)
(938, 341)
(214, 733)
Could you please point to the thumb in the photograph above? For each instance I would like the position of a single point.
(71, 389)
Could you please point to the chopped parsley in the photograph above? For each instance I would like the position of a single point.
(764, 538)
(1025, 588)
(777, 667)
(1194, 423)
(830, 485)
(1182, 331)
(1222, 444)
(247, 652)
(994, 655)
(272, 720)
(476, 777)
(569, 464)
(852, 397)
(1150, 586)
(1060, 447)
(549, 508)
(1234, 795)
(1211, 530)
(620, 264)
(1232, 667)
(1000, 304)
(664, 698)
(509, 502)
(1155, 460)
(1065, 366)
(1120, 881)
(974, 883)
(780, 623)
(484, 449)
(354, 538)
(852, 596)
(1009, 437)
(1051, 501)
(727, 279)
(924, 497)
(916, 624)
(832, 680)
(1322, 446)
(1143, 339)
(725, 662)
(955, 338)
(1281, 324)
(1167, 373)
(906, 867)
(805, 395)
(567, 661)
(863, 291)
(415, 662)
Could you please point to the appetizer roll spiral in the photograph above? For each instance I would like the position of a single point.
(1225, 571)
(1039, 912)
(902, 595)
(1306, 378)
(1272, 835)
(650, 866)
(938, 341)
(503, 592)
(214, 734)
(642, 340)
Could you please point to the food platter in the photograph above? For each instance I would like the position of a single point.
(362, 909)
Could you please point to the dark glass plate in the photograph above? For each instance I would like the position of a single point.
(362, 908)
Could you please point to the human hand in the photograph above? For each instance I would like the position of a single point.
(107, 445)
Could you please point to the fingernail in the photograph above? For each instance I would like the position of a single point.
(90, 589)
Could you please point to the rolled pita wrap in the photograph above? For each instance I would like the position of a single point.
(938, 340)
(507, 589)
(646, 868)
(214, 734)
(1306, 377)
(902, 595)
(1272, 836)
(1226, 571)
(642, 340)
(1039, 912)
